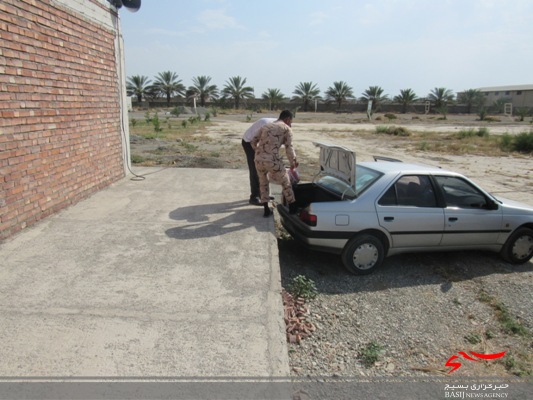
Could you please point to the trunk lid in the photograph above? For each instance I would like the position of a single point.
(337, 161)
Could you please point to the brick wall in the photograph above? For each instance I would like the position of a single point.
(60, 133)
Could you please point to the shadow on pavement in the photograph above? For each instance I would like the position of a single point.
(208, 220)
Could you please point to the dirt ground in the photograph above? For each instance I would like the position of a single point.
(217, 145)
(508, 175)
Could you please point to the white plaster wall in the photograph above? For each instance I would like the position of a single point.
(94, 10)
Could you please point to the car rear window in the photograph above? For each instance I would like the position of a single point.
(364, 178)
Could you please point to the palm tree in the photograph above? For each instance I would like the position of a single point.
(306, 92)
(274, 97)
(339, 92)
(374, 93)
(499, 104)
(168, 84)
(202, 90)
(406, 97)
(440, 97)
(138, 85)
(470, 98)
(236, 90)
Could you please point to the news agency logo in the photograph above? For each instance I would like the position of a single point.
(476, 391)
(472, 357)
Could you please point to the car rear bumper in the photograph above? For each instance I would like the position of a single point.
(331, 242)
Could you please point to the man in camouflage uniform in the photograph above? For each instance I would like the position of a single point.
(268, 160)
(251, 133)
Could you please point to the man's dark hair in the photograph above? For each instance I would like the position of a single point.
(285, 114)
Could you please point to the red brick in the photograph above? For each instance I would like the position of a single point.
(67, 144)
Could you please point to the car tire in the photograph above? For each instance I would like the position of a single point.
(518, 248)
(363, 254)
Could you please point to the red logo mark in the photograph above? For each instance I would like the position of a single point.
(457, 365)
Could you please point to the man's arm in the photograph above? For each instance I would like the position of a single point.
(289, 150)
(256, 138)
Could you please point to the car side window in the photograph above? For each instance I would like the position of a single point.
(460, 193)
(410, 190)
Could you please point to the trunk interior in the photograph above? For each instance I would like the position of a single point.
(307, 193)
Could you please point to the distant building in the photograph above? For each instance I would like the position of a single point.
(519, 95)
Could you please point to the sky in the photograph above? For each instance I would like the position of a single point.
(275, 44)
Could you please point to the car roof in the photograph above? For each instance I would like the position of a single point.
(387, 167)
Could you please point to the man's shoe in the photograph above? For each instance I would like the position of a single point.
(255, 201)
(271, 197)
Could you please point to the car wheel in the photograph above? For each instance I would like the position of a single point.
(363, 254)
(519, 247)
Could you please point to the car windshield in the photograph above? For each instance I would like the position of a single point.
(364, 178)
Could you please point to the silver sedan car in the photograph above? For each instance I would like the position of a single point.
(370, 210)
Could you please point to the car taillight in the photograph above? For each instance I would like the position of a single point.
(307, 218)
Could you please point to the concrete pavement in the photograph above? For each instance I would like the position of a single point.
(174, 275)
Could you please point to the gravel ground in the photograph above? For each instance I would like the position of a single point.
(419, 309)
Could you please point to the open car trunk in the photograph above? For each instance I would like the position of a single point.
(334, 182)
(307, 193)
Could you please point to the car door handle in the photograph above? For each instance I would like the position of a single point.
(453, 219)
(388, 218)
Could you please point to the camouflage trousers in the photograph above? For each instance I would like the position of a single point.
(276, 173)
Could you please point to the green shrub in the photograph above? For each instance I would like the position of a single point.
(473, 338)
(194, 119)
(515, 365)
(442, 110)
(156, 123)
(468, 133)
(509, 323)
(184, 123)
(393, 130)
(176, 111)
(523, 142)
(483, 132)
(147, 117)
(424, 146)
(135, 159)
(506, 142)
(301, 286)
(490, 334)
(399, 131)
(522, 112)
(370, 354)
(390, 116)
(189, 147)
(382, 129)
